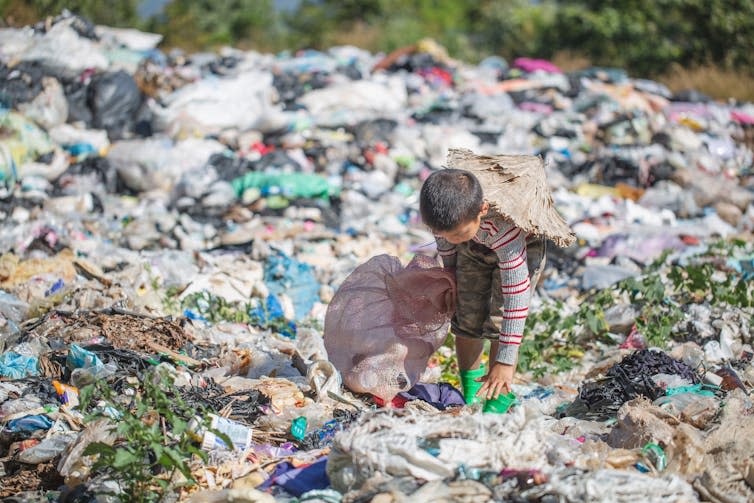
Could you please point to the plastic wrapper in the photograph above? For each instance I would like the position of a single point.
(47, 449)
(12, 312)
(50, 107)
(385, 322)
(16, 366)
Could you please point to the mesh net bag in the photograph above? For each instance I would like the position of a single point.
(386, 320)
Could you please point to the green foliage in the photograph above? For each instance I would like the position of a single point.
(643, 36)
(170, 302)
(554, 342)
(197, 24)
(448, 361)
(215, 309)
(704, 282)
(121, 13)
(544, 352)
(153, 443)
(648, 35)
(515, 28)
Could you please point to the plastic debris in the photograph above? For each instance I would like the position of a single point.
(206, 218)
(17, 366)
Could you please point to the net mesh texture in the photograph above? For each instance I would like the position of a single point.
(386, 320)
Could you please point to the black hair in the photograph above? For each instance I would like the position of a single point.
(450, 197)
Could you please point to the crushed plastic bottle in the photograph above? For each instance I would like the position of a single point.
(501, 404)
(239, 434)
(47, 449)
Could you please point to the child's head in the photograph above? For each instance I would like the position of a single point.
(452, 204)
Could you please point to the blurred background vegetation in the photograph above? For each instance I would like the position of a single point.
(703, 44)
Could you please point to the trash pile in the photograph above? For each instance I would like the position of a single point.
(175, 225)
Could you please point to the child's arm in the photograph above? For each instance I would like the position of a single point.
(509, 243)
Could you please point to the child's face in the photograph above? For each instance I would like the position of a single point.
(465, 231)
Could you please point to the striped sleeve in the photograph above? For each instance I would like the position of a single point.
(509, 243)
(447, 252)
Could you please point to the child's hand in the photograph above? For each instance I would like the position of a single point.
(498, 381)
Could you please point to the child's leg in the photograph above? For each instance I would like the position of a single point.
(469, 352)
(472, 308)
(473, 282)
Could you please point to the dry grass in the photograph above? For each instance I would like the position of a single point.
(714, 81)
(17, 13)
(359, 35)
(718, 83)
(569, 61)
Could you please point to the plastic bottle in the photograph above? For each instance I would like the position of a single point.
(239, 434)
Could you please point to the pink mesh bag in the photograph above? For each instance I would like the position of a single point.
(385, 321)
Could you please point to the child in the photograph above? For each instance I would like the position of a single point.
(496, 263)
(490, 219)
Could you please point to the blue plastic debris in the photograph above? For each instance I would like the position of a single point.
(298, 428)
(295, 279)
(59, 284)
(303, 479)
(272, 313)
(16, 366)
(744, 266)
(79, 357)
(28, 424)
(188, 313)
(80, 149)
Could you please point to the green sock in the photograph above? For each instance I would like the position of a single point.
(470, 385)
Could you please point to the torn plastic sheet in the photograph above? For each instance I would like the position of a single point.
(284, 275)
(612, 486)
(433, 446)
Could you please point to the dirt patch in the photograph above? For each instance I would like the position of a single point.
(122, 330)
(20, 477)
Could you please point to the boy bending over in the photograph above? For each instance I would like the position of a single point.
(496, 265)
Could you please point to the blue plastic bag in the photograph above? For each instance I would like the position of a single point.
(16, 366)
(29, 424)
(80, 358)
(295, 279)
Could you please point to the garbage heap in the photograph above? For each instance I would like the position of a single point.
(174, 226)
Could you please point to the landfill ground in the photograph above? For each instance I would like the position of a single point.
(174, 227)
